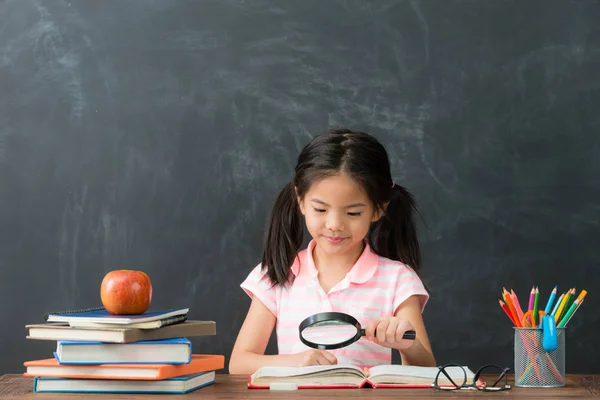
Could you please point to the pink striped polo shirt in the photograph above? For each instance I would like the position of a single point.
(374, 288)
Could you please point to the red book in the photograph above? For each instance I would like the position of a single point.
(51, 368)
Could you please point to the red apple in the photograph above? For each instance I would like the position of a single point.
(126, 292)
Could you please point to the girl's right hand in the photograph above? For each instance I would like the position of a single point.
(315, 357)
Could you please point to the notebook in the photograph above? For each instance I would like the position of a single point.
(51, 368)
(350, 376)
(164, 351)
(177, 319)
(100, 315)
(119, 334)
(179, 385)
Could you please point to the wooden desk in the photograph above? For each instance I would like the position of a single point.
(234, 387)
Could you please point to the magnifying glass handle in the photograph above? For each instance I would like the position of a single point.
(411, 335)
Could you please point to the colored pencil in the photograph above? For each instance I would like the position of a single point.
(578, 306)
(553, 368)
(551, 365)
(527, 372)
(570, 300)
(532, 353)
(557, 304)
(512, 309)
(565, 320)
(550, 301)
(507, 311)
(535, 307)
(562, 306)
(531, 296)
(517, 305)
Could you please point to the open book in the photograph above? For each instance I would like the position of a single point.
(350, 376)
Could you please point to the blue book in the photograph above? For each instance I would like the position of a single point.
(100, 315)
(163, 351)
(179, 385)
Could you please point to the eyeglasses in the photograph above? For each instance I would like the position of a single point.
(454, 376)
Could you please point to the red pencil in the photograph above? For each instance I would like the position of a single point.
(512, 309)
(507, 311)
(517, 305)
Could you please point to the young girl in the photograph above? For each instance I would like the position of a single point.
(362, 260)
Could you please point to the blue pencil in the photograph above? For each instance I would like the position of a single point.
(557, 303)
(550, 301)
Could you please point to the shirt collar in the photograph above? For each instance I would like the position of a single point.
(362, 271)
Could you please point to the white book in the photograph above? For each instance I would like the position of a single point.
(178, 385)
(165, 351)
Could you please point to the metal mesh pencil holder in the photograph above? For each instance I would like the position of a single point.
(534, 366)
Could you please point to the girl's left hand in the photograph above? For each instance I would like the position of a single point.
(388, 332)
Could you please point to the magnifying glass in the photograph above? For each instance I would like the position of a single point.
(334, 330)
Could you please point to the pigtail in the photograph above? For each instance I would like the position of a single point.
(394, 235)
(283, 236)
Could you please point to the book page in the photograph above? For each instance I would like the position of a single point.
(415, 374)
(310, 370)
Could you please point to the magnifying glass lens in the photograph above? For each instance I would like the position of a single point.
(329, 332)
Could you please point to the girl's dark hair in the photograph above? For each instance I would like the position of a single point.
(364, 159)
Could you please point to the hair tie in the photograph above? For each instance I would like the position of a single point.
(393, 184)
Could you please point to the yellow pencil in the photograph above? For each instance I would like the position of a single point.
(562, 306)
(582, 295)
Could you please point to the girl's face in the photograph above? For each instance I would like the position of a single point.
(338, 214)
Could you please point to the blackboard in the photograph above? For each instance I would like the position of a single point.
(155, 135)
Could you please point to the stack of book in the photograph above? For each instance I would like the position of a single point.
(97, 352)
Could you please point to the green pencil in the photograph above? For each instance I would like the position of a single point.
(535, 306)
(570, 299)
(565, 319)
